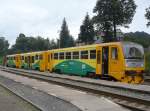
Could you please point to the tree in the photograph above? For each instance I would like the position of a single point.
(64, 37)
(26, 44)
(113, 13)
(87, 33)
(142, 38)
(147, 15)
(53, 44)
(3, 46)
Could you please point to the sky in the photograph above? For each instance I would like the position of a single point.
(44, 17)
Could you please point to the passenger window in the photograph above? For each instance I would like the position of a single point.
(32, 59)
(76, 55)
(36, 57)
(98, 57)
(84, 54)
(61, 55)
(55, 56)
(114, 53)
(92, 54)
(68, 55)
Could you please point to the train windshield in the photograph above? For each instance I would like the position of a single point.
(133, 51)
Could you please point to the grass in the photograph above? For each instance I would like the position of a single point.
(147, 55)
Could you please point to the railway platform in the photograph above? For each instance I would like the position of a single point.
(51, 97)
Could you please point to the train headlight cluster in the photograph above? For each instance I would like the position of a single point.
(134, 64)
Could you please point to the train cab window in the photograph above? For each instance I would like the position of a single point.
(98, 57)
(61, 55)
(36, 57)
(56, 56)
(114, 53)
(32, 59)
(84, 54)
(76, 55)
(41, 57)
(68, 55)
(92, 54)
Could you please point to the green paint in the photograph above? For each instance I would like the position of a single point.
(74, 67)
(11, 63)
(36, 65)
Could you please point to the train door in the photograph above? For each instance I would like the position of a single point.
(42, 62)
(50, 58)
(17, 61)
(105, 61)
(98, 60)
(115, 61)
(29, 62)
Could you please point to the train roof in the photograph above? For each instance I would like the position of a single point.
(86, 46)
(79, 47)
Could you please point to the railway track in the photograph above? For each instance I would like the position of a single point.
(137, 100)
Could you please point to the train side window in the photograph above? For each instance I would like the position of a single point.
(84, 54)
(92, 54)
(36, 57)
(26, 60)
(114, 53)
(22, 57)
(68, 55)
(32, 59)
(76, 55)
(56, 56)
(41, 57)
(98, 57)
(61, 55)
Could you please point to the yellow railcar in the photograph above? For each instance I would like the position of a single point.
(121, 61)
(34, 60)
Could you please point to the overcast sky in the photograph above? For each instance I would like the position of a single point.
(44, 17)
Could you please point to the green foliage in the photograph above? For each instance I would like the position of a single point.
(138, 37)
(147, 56)
(87, 33)
(27, 44)
(65, 40)
(147, 15)
(3, 46)
(113, 13)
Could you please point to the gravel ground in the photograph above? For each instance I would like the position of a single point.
(44, 101)
(11, 102)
